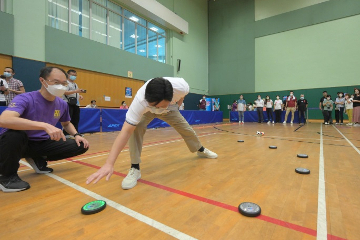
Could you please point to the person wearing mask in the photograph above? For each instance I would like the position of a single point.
(92, 104)
(269, 109)
(241, 105)
(328, 107)
(349, 108)
(259, 103)
(157, 98)
(72, 97)
(29, 131)
(321, 107)
(339, 109)
(356, 107)
(123, 105)
(302, 106)
(234, 106)
(278, 104)
(216, 105)
(291, 105)
(3, 90)
(15, 86)
(202, 104)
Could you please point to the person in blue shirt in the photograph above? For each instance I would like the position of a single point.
(216, 105)
(241, 105)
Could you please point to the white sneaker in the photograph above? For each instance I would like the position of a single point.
(207, 154)
(130, 180)
(326, 123)
(291, 122)
(242, 121)
(273, 122)
(284, 121)
(268, 122)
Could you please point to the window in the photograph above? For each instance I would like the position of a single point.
(108, 23)
(6, 6)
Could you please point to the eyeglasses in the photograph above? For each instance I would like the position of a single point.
(56, 82)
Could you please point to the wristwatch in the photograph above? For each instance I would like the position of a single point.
(77, 134)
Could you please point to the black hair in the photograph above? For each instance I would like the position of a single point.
(13, 70)
(122, 102)
(93, 101)
(158, 89)
(46, 71)
(292, 91)
(71, 71)
(324, 91)
(2, 76)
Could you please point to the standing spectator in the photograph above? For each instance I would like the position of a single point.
(241, 106)
(123, 105)
(356, 107)
(15, 86)
(234, 106)
(216, 105)
(3, 90)
(328, 107)
(349, 108)
(321, 107)
(339, 109)
(302, 106)
(72, 97)
(202, 104)
(290, 106)
(269, 112)
(259, 103)
(92, 104)
(278, 104)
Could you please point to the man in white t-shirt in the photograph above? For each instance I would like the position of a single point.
(3, 90)
(158, 98)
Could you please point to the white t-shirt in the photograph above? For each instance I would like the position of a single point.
(2, 96)
(269, 104)
(349, 105)
(139, 106)
(259, 103)
(278, 104)
(71, 87)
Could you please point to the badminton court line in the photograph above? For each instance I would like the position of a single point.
(356, 149)
(275, 221)
(151, 222)
(321, 215)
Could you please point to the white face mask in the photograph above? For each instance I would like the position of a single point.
(340, 95)
(259, 98)
(57, 90)
(277, 97)
(158, 110)
(291, 94)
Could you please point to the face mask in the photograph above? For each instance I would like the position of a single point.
(73, 78)
(357, 92)
(277, 98)
(124, 104)
(302, 98)
(267, 98)
(158, 110)
(203, 97)
(259, 98)
(291, 94)
(7, 74)
(328, 98)
(56, 90)
(340, 95)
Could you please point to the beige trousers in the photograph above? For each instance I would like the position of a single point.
(174, 119)
(288, 109)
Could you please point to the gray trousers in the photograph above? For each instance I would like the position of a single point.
(174, 119)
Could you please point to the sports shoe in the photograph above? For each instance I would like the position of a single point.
(268, 122)
(291, 122)
(130, 180)
(242, 122)
(326, 123)
(273, 122)
(207, 154)
(39, 165)
(13, 183)
(284, 121)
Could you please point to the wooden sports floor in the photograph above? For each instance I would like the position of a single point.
(181, 196)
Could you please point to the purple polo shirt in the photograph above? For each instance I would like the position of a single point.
(33, 106)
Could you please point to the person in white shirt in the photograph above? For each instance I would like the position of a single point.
(92, 104)
(349, 108)
(269, 112)
(278, 104)
(157, 98)
(3, 90)
(259, 108)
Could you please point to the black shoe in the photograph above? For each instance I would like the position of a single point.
(13, 183)
(39, 165)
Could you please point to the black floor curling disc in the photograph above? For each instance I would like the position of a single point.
(273, 147)
(240, 140)
(302, 156)
(249, 209)
(93, 207)
(302, 170)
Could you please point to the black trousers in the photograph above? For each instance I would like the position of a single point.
(260, 114)
(3, 103)
(328, 117)
(278, 115)
(269, 113)
(74, 112)
(339, 115)
(301, 113)
(15, 145)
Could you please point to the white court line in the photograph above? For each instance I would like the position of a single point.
(321, 216)
(356, 149)
(151, 222)
(100, 155)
